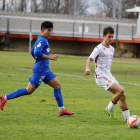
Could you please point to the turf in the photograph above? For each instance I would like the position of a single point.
(36, 117)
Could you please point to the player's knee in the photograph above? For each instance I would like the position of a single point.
(123, 96)
(30, 91)
(30, 88)
(121, 91)
(58, 86)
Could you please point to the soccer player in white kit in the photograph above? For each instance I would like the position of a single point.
(103, 55)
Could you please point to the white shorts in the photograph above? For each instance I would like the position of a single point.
(106, 82)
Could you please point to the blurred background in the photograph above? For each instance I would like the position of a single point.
(95, 8)
(78, 25)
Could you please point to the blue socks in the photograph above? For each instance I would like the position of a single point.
(17, 93)
(58, 97)
(23, 91)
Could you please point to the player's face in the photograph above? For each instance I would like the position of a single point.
(47, 32)
(108, 38)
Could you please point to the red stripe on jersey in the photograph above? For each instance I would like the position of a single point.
(107, 79)
(96, 64)
(105, 46)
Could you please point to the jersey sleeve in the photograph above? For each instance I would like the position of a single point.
(38, 49)
(113, 50)
(94, 53)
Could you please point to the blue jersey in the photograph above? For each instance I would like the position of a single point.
(40, 47)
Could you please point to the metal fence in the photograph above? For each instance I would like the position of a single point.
(66, 27)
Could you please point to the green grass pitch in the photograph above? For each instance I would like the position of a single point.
(35, 117)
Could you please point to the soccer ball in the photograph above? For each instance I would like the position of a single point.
(133, 121)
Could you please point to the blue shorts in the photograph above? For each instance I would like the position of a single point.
(37, 78)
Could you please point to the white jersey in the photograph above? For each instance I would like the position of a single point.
(102, 56)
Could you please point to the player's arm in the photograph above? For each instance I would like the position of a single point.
(54, 57)
(88, 63)
(92, 57)
(38, 52)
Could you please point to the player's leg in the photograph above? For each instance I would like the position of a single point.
(31, 88)
(118, 91)
(17, 93)
(106, 83)
(34, 83)
(124, 107)
(21, 92)
(58, 97)
(54, 83)
(119, 95)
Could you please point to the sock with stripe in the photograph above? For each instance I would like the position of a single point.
(111, 105)
(17, 93)
(126, 113)
(59, 99)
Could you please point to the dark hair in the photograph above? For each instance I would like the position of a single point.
(107, 30)
(46, 24)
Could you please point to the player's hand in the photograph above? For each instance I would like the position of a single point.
(87, 71)
(54, 57)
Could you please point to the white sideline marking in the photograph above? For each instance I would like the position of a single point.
(19, 68)
(7, 74)
(69, 75)
(79, 77)
(130, 83)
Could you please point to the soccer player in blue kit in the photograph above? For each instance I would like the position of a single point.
(41, 71)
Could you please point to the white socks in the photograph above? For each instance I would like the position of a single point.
(111, 105)
(62, 108)
(126, 113)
